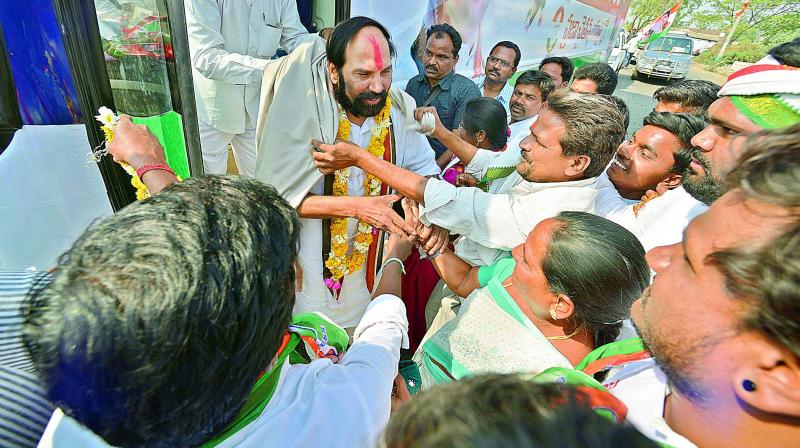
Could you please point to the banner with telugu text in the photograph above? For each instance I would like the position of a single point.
(540, 28)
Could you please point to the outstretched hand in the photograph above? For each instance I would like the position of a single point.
(377, 211)
(134, 144)
(433, 239)
(420, 111)
(466, 180)
(329, 158)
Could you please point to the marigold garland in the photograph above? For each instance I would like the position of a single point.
(108, 119)
(340, 262)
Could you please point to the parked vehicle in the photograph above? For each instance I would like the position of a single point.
(618, 58)
(668, 57)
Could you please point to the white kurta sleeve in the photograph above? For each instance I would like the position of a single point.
(418, 155)
(610, 205)
(371, 362)
(492, 220)
(293, 30)
(207, 47)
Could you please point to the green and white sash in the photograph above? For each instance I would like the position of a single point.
(310, 336)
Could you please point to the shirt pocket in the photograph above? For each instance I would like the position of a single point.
(269, 38)
(446, 116)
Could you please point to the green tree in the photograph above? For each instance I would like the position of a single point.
(643, 12)
(766, 21)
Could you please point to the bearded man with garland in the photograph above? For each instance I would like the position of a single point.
(341, 92)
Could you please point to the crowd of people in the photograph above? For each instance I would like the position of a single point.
(457, 263)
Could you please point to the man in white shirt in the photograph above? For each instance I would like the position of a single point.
(501, 64)
(720, 318)
(230, 43)
(177, 331)
(530, 94)
(654, 158)
(763, 96)
(569, 147)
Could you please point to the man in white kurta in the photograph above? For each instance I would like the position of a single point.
(661, 221)
(230, 43)
(315, 404)
(301, 99)
(494, 222)
(414, 153)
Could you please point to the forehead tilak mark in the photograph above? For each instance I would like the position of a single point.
(377, 55)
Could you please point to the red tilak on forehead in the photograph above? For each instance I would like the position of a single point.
(376, 52)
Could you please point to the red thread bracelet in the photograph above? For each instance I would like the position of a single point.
(158, 166)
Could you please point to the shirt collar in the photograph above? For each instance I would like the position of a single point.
(535, 186)
(445, 82)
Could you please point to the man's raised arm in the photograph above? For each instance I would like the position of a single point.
(330, 158)
(375, 211)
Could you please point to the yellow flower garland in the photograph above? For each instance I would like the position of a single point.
(138, 185)
(108, 120)
(339, 262)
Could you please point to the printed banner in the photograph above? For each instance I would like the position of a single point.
(540, 28)
(660, 26)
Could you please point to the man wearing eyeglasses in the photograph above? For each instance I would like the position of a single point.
(500, 66)
(440, 86)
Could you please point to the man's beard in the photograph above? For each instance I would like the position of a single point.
(675, 357)
(357, 106)
(705, 188)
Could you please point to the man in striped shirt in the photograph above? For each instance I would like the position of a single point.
(24, 407)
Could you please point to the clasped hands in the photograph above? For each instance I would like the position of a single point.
(431, 239)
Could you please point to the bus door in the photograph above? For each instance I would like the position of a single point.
(60, 61)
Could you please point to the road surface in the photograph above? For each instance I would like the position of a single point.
(638, 95)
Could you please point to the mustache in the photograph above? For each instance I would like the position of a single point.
(702, 159)
(494, 71)
(369, 96)
(432, 67)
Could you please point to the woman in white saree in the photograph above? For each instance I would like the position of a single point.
(563, 293)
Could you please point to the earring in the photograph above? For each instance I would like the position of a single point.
(748, 386)
(553, 314)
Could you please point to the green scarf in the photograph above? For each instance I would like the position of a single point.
(320, 337)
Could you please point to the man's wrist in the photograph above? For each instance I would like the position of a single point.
(360, 157)
(139, 161)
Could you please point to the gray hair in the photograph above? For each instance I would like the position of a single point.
(600, 266)
(594, 127)
(161, 317)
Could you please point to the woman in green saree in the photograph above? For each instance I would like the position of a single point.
(564, 292)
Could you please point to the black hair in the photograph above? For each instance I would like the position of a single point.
(787, 53)
(345, 32)
(602, 75)
(567, 67)
(511, 45)
(681, 125)
(692, 94)
(623, 109)
(600, 266)
(161, 317)
(443, 29)
(541, 80)
(488, 115)
(684, 126)
(494, 411)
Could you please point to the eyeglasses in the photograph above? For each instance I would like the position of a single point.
(494, 61)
